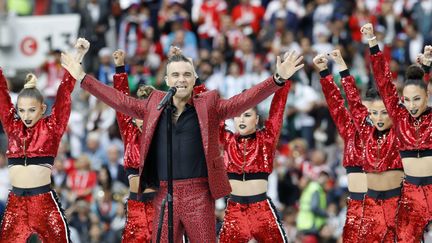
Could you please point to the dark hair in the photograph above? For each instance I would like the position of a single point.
(109, 181)
(148, 89)
(372, 95)
(175, 55)
(30, 89)
(417, 82)
(414, 71)
(414, 76)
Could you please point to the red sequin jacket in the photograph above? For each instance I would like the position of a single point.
(210, 108)
(381, 148)
(353, 146)
(414, 134)
(253, 154)
(43, 139)
(130, 133)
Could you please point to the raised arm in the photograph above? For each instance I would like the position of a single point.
(334, 99)
(7, 109)
(251, 97)
(112, 97)
(276, 114)
(382, 74)
(224, 134)
(62, 106)
(425, 60)
(121, 84)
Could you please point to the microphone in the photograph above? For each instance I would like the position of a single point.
(171, 92)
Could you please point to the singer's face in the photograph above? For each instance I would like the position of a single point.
(181, 75)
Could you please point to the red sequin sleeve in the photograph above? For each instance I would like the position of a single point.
(224, 134)
(7, 109)
(383, 79)
(121, 84)
(63, 103)
(228, 108)
(336, 106)
(359, 112)
(276, 114)
(117, 100)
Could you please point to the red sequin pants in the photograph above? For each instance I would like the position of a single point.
(415, 211)
(351, 230)
(34, 210)
(247, 218)
(379, 219)
(193, 211)
(139, 220)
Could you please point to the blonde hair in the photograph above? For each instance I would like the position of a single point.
(30, 89)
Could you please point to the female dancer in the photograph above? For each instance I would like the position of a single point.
(32, 205)
(249, 160)
(382, 164)
(413, 123)
(140, 209)
(353, 157)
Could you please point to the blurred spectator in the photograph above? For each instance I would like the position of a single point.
(209, 21)
(81, 181)
(312, 209)
(94, 24)
(301, 101)
(4, 179)
(61, 6)
(94, 150)
(131, 31)
(80, 219)
(54, 75)
(19, 7)
(106, 68)
(115, 167)
(248, 16)
(105, 208)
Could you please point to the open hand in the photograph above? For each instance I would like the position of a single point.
(290, 64)
(72, 66)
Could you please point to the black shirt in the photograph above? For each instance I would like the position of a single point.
(187, 148)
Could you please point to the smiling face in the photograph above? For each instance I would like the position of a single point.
(246, 123)
(30, 110)
(379, 116)
(415, 100)
(182, 76)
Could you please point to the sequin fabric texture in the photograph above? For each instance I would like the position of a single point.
(378, 223)
(44, 137)
(193, 211)
(255, 154)
(245, 221)
(41, 214)
(139, 223)
(413, 133)
(381, 148)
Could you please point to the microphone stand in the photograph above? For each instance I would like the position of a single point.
(169, 197)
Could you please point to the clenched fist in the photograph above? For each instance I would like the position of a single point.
(320, 62)
(119, 58)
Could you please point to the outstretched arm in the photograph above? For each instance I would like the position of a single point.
(62, 106)
(276, 114)
(7, 109)
(251, 97)
(121, 84)
(112, 97)
(382, 74)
